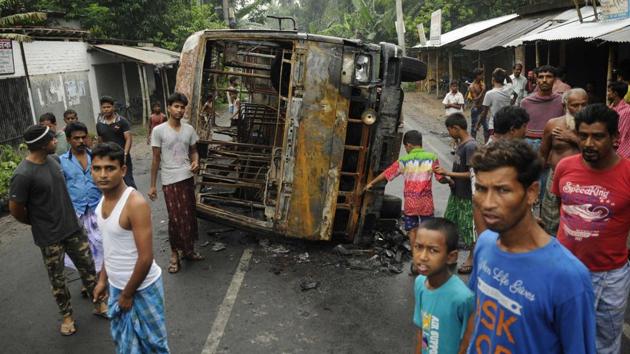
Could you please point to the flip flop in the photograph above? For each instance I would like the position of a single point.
(173, 266)
(465, 269)
(67, 329)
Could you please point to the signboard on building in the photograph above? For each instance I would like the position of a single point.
(6, 57)
(615, 9)
(436, 27)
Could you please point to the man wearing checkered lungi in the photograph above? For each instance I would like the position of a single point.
(136, 294)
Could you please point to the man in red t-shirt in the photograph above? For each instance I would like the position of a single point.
(594, 189)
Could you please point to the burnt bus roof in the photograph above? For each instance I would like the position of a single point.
(287, 35)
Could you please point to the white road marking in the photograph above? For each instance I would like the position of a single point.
(626, 330)
(225, 310)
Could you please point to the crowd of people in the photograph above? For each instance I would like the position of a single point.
(80, 199)
(543, 205)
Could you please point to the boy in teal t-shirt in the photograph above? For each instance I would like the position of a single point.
(443, 302)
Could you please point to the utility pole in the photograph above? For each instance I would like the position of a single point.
(226, 12)
(400, 25)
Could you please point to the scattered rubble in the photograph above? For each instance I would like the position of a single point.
(303, 258)
(277, 248)
(218, 246)
(306, 285)
(390, 251)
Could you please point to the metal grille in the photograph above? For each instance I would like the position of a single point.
(15, 110)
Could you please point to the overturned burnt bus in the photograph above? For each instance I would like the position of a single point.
(292, 127)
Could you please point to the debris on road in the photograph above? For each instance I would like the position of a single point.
(218, 246)
(390, 251)
(277, 249)
(220, 231)
(303, 257)
(345, 250)
(306, 285)
(205, 244)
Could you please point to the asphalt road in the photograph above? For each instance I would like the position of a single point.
(244, 299)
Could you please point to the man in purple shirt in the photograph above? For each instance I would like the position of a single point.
(542, 105)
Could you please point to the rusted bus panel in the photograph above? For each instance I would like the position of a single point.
(319, 144)
(187, 75)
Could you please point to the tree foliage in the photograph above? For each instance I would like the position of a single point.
(374, 20)
(13, 14)
(169, 22)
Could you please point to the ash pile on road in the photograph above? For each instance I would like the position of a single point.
(391, 250)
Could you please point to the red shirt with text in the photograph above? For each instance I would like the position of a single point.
(595, 212)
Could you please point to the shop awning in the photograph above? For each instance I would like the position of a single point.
(147, 55)
(504, 33)
(573, 29)
(464, 32)
(619, 36)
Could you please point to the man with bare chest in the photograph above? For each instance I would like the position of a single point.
(559, 141)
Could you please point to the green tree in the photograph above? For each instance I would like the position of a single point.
(12, 14)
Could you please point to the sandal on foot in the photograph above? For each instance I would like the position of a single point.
(67, 329)
(173, 266)
(100, 310)
(194, 256)
(465, 269)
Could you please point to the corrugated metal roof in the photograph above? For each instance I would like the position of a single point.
(505, 33)
(572, 29)
(148, 55)
(619, 36)
(561, 19)
(467, 31)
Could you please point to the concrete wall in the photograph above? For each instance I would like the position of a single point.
(60, 79)
(47, 57)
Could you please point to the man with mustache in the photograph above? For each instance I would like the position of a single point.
(559, 141)
(542, 105)
(531, 294)
(594, 189)
(76, 164)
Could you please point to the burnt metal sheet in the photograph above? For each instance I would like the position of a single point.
(502, 34)
(189, 67)
(319, 142)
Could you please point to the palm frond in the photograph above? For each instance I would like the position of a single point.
(16, 37)
(23, 18)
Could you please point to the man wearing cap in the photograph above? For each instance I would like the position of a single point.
(39, 197)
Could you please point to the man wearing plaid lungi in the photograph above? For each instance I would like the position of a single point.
(136, 293)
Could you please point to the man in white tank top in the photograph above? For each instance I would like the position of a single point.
(136, 293)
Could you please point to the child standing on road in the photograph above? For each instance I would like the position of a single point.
(417, 169)
(443, 302)
(459, 208)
